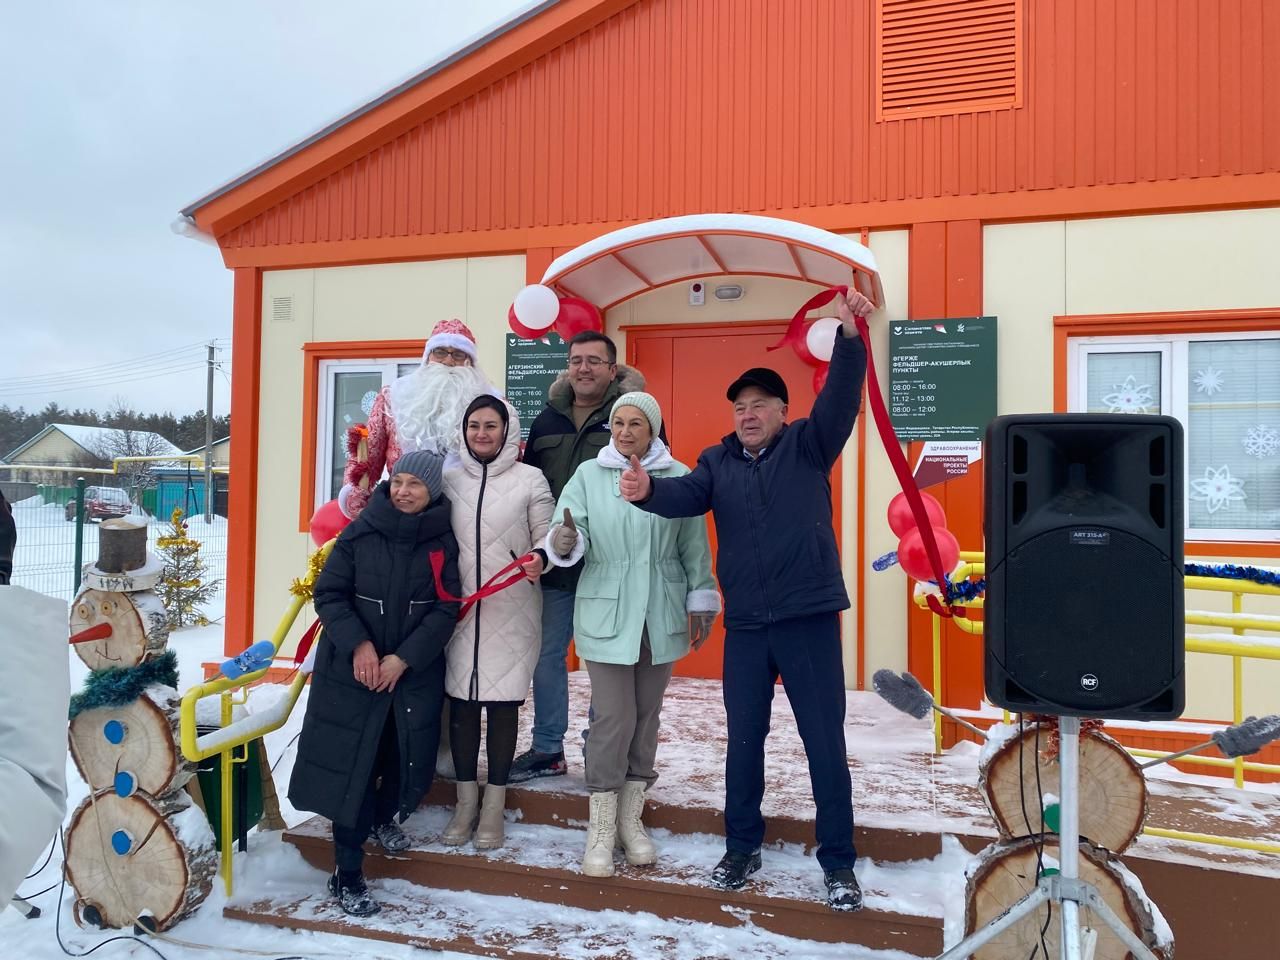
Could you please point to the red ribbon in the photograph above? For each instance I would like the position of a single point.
(795, 336)
(304, 645)
(487, 589)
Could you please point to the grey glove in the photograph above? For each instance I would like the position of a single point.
(565, 537)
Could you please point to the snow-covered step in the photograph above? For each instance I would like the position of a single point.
(562, 800)
(904, 902)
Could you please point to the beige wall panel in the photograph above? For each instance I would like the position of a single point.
(56, 448)
(1184, 261)
(885, 617)
(377, 302)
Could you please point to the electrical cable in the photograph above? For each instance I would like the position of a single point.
(175, 355)
(47, 857)
(1048, 913)
(286, 749)
(90, 384)
(1037, 837)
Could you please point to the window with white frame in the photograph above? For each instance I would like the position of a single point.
(347, 391)
(1225, 389)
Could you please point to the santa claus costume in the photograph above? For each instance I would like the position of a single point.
(419, 411)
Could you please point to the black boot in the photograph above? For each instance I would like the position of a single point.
(843, 892)
(733, 869)
(353, 893)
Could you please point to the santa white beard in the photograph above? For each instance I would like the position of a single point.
(428, 404)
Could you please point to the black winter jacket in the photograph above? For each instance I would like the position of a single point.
(377, 585)
(776, 553)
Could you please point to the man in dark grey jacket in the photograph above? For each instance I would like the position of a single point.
(768, 485)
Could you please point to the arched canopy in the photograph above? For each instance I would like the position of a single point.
(633, 260)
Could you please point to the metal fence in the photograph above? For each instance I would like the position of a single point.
(52, 533)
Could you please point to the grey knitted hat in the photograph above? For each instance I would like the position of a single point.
(645, 403)
(424, 465)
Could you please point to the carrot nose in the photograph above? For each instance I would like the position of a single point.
(99, 631)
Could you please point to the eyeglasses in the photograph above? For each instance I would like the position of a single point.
(592, 362)
(447, 353)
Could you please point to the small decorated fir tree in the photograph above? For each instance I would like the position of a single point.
(183, 586)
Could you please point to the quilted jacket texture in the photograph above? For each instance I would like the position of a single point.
(498, 508)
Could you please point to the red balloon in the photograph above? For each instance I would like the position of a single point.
(901, 519)
(327, 523)
(519, 329)
(913, 559)
(577, 315)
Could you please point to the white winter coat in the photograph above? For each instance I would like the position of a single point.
(498, 508)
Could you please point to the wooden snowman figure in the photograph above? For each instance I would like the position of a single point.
(137, 847)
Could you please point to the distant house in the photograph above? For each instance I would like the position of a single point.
(221, 453)
(64, 445)
(181, 484)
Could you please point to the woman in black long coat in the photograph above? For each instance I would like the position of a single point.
(372, 726)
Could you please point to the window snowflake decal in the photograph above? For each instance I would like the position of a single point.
(1129, 397)
(1217, 489)
(1261, 441)
(366, 402)
(1209, 380)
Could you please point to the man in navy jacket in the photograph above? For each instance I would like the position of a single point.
(768, 485)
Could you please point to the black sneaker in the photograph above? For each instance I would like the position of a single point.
(390, 837)
(843, 892)
(733, 869)
(353, 894)
(530, 765)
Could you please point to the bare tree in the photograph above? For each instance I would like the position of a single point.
(124, 442)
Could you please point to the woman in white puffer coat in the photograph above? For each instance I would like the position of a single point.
(500, 508)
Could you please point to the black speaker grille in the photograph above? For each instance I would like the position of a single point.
(1093, 611)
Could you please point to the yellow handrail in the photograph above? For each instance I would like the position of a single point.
(232, 734)
(1234, 645)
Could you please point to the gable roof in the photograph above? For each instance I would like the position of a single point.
(89, 439)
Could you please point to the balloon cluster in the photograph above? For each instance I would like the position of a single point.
(538, 308)
(912, 556)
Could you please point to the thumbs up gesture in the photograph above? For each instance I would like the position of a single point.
(634, 483)
(565, 536)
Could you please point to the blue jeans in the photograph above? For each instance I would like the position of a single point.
(551, 675)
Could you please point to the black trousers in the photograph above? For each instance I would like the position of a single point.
(381, 800)
(464, 738)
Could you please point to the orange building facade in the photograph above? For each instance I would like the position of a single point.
(1104, 177)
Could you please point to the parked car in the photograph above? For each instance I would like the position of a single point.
(102, 503)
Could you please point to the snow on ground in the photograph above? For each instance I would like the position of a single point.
(44, 559)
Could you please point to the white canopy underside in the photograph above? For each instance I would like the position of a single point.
(627, 262)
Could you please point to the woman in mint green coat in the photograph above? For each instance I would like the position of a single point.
(645, 597)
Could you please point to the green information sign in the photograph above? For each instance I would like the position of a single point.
(532, 366)
(942, 378)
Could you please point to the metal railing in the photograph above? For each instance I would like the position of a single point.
(1234, 645)
(233, 734)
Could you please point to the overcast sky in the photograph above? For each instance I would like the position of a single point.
(115, 115)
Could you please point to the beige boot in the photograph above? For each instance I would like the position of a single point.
(490, 832)
(640, 849)
(459, 829)
(602, 835)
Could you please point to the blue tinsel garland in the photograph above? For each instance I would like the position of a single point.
(1233, 571)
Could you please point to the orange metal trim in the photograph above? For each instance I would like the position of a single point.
(246, 358)
(312, 354)
(1208, 193)
(1146, 324)
(634, 270)
(711, 252)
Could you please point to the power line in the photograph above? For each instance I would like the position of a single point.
(145, 360)
(88, 385)
(90, 379)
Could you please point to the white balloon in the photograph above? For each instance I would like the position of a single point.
(821, 337)
(537, 306)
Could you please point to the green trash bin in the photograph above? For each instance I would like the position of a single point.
(246, 789)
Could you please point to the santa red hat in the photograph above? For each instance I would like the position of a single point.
(451, 333)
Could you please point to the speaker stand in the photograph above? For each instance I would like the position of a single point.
(1065, 888)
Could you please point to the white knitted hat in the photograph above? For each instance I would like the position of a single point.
(645, 403)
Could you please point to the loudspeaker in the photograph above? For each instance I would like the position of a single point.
(1083, 613)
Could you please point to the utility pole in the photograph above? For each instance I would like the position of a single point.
(208, 440)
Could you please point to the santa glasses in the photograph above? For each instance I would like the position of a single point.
(448, 353)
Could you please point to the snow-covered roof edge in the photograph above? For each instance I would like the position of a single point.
(469, 46)
(85, 436)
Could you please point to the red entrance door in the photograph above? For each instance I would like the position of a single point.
(687, 369)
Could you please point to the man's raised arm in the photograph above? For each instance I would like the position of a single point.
(687, 496)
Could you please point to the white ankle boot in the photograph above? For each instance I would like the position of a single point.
(602, 835)
(640, 849)
(459, 829)
(491, 829)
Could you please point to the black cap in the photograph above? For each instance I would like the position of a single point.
(767, 380)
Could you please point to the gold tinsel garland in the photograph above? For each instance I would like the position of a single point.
(304, 587)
